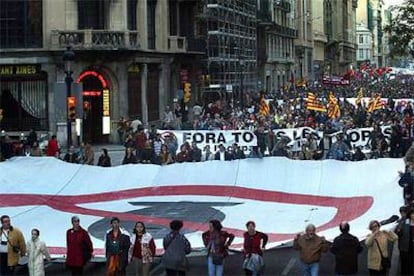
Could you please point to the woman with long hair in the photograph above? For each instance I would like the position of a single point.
(165, 156)
(217, 242)
(142, 250)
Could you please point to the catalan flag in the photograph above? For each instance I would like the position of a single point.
(264, 108)
(375, 103)
(312, 103)
(333, 109)
(359, 97)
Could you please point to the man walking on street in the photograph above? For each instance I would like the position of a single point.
(79, 247)
(12, 246)
(346, 248)
(310, 248)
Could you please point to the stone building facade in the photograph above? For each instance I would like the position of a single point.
(276, 32)
(131, 59)
(340, 26)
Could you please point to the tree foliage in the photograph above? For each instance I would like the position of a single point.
(401, 29)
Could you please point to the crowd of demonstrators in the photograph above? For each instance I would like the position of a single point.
(30, 147)
(287, 110)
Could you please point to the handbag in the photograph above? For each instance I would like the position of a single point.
(217, 259)
(254, 262)
(385, 261)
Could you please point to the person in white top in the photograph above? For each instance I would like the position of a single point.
(36, 251)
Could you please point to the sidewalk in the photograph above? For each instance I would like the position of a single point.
(115, 151)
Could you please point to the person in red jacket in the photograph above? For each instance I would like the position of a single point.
(79, 247)
(217, 241)
(253, 246)
(52, 147)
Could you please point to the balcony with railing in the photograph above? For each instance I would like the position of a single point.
(285, 31)
(177, 43)
(95, 39)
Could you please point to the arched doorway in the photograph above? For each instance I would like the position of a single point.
(96, 103)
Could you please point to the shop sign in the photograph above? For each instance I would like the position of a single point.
(19, 69)
(105, 100)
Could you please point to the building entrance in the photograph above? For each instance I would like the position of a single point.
(95, 107)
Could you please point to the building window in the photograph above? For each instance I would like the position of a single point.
(151, 6)
(361, 39)
(91, 14)
(361, 54)
(132, 15)
(172, 7)
(21, 24)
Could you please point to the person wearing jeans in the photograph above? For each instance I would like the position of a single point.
(214, 269)
(310, 269)
(310, 247)
(217, 242)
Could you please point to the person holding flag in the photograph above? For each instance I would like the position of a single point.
(375, 102)
(333, 107)
(264, 108)
(312, 103)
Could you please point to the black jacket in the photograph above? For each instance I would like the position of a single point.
(407, 183)
(119, 246)
(346, 249)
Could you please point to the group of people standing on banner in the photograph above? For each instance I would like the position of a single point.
(122, 249)
(139, 249)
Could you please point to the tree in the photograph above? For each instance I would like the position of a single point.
(401, 29)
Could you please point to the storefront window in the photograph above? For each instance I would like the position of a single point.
(23, 98)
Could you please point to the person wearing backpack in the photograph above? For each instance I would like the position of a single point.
(176, 248)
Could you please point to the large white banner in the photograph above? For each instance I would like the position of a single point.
(213, 138)
(282, 196)
(357, 137)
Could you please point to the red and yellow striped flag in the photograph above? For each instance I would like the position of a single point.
(264, 108)
(333, 107)
(312, 103)
(375, 103)
(359, 97)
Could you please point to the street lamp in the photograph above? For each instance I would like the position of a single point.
(241, 62)
(68, 58)
(301, 65)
